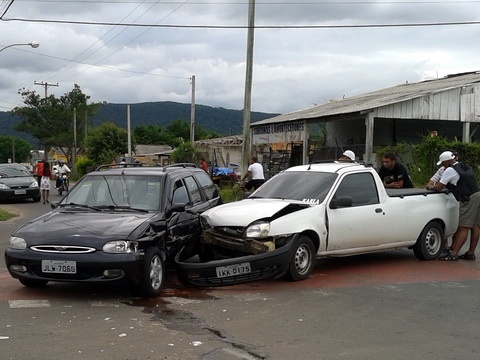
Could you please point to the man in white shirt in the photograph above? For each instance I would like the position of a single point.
(255, 172)
(460, 180)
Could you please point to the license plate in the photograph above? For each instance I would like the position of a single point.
(232, 270)
(20, 192)
(59, 266)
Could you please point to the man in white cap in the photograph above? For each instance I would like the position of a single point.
(347, 156)
(460, 180)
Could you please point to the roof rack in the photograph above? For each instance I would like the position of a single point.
(181, 165)
(119, 165)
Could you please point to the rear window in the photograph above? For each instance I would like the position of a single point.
(207, 184)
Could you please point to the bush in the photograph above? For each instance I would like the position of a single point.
(84, 165)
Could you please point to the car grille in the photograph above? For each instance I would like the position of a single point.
(63, 249)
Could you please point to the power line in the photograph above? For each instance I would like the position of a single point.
(355, 26)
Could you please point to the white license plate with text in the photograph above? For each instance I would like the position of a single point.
(20, 192)
(59, 266)
(232, 270)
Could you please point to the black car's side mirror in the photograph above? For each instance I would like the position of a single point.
(174, 208)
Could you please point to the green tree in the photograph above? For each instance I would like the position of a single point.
(184, 153)
(51, 119)
(105, 143)
(148, 135)
(178, 131)
(10, 143)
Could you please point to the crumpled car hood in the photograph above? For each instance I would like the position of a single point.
(242, 213)
(80, 227)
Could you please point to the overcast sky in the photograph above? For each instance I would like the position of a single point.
(305, 52)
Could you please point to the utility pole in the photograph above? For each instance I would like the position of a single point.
(46, 85)
(192, 112)
(129, 136)
(74, 162)
(246, 147)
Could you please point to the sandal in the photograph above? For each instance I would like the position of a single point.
(449, 257)
(467, 256)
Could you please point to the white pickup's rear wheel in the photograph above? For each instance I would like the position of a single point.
(302, 259)
(429, 243)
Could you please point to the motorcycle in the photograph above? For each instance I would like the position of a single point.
(62, 184)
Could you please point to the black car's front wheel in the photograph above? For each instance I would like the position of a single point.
(153, 273)
(302, 259)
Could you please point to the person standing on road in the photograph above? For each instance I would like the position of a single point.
(203, 164)
(460, 180)
(393, 174)
(45, 182)
(255, 172)
(39, 171)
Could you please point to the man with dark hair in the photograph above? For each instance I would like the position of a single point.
(255, 171)
(394, 174)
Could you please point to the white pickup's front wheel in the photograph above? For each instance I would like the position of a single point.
(302, 259)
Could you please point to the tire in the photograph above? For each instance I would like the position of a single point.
(429, 243)
(33, 283)
(302, 259)
(153, 273)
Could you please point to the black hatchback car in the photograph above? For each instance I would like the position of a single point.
(115, 225)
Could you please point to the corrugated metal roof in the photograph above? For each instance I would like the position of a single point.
(379, 98)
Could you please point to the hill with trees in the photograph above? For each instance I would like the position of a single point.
(219, 120)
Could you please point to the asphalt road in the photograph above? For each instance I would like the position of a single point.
(383, 306)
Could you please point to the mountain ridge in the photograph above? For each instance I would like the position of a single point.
(217, 119)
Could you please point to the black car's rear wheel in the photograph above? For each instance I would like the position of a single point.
(302, 259)
(153, 273)
(33, 282)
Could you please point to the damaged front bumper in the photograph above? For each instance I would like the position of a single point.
(235, 270)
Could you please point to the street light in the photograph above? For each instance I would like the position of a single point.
(33, 44)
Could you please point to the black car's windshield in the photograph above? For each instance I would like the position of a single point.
(13, 171)
(117, 192)
(308, 186)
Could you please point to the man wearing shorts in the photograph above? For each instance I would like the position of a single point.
(460, 180)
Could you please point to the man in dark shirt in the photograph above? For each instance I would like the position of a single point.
(394, 174)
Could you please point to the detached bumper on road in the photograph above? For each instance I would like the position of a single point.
(272, 264)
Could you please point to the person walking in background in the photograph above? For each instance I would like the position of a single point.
(394, 174)
(255, 172)
(39, 171)
(45, 181)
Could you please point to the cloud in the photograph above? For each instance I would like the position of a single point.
(294, 68)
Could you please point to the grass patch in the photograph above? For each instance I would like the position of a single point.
(231, 193)
(5, 215)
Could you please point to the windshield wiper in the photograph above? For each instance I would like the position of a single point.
(96, 208)
(121, 207)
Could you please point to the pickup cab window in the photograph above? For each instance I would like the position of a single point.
(360, 187)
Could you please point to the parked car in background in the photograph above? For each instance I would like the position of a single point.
(316, 211)
(117, 224)
(17, 183)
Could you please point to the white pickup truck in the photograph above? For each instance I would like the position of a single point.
(314, 211)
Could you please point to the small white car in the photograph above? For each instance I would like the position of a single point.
(314, 211)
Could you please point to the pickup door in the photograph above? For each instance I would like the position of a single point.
(365, 223)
